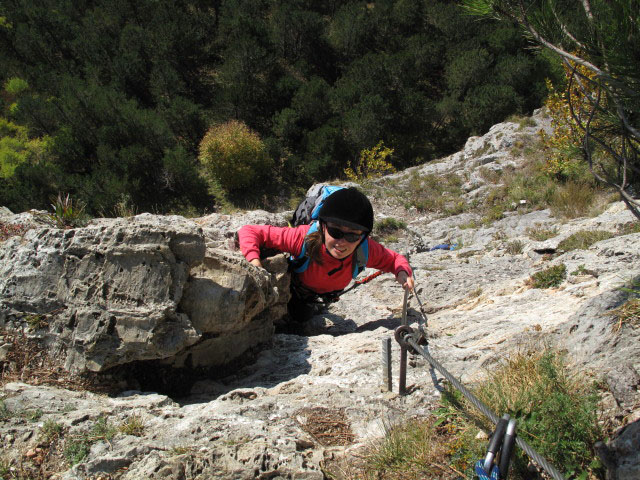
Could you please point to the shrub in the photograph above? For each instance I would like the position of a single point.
(372, 163)
(583, 239)
(66, 214)
(389, 225)
(234, 155)
(79, 445)
(550, 277)
(15, 86)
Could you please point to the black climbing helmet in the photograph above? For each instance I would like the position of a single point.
(350, 208)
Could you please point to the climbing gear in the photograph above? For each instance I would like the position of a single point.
(308, 212)
(309, 208)
(357, 283)
(348, 207)
(329, 297)
(505, 436)
(500, 445)
(482, 473)
(408, 337)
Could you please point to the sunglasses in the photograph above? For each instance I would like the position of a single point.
(348, 236)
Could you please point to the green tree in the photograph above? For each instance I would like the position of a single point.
(117, 86)
(599, 44)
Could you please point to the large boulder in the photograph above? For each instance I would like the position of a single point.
(135, 289)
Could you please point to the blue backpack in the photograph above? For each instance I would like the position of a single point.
(307, 213)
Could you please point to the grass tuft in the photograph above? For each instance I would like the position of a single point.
(550, 277)
(540, 234)
(515, 247)
(583, 239)
(629, 312)
(132, 426)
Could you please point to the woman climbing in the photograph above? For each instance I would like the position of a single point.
(331, 250)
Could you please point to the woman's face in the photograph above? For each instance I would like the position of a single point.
(341, 248)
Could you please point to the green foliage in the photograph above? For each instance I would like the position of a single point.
(540, 233)
(121, 111)
(433, 193)
(17, 148)
(51, 430)
(575, 199)
(15, 86)
(77, 447)
(389, 225)
(234, 155)
(583, 239)
(628, 313)
(125, 88)
(596, 117)
(66, 214)
(5, 413)
(549, 277)
(556, 413)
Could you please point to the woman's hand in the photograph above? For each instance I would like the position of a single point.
(256, 262)
(406, 280)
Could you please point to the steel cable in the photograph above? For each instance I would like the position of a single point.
(535, 456)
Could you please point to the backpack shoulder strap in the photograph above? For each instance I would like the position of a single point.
(361, 257)
(300, 262)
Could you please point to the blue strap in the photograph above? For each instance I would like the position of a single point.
(483, 475)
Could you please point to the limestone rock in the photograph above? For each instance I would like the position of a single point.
(143, 288)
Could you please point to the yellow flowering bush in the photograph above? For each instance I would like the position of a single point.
(372, 163)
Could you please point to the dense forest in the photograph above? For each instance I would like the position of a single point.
(109, 101)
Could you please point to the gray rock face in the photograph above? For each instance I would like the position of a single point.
(256, 422)
(145, 288)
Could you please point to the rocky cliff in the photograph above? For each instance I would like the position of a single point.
(154, 292)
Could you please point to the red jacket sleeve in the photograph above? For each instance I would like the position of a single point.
(382, 258)
(284, 239)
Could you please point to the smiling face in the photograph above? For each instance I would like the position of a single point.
(340, 248)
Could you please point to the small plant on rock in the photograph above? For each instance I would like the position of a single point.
(515, 247)
(629, 312)
(583, 239)
(539, 233)
(66, 214)
(132, 426)
(372, 163)
(78, 446)
(389, 225)
(51, 430)
(550, 277)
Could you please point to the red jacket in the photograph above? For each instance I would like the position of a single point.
(316, 277)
